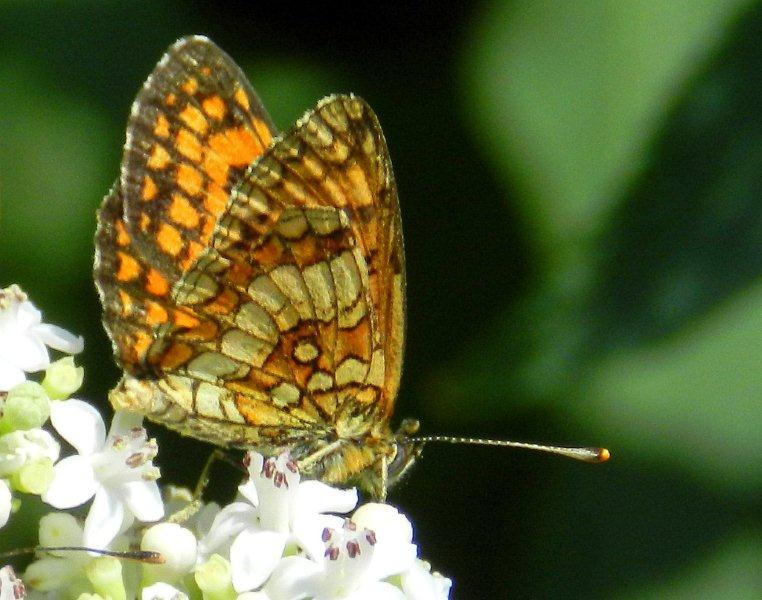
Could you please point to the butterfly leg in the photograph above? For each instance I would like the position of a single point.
(309, 464)
(381, 482)
(203, 479)
(195, 504)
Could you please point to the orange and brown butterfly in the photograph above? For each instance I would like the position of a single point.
(253, 283)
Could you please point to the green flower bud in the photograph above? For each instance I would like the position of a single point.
(105, 574)
(34, 476)
(215, 579)
(60, 529)
(27, 406)
(62, 378)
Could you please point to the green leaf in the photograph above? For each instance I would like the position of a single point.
(692, 399)
(53, 156)
(730, 570)
(568, 94)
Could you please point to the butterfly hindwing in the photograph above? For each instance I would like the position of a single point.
(294, 278)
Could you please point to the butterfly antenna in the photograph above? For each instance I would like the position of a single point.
(585, 454)
(143, 556)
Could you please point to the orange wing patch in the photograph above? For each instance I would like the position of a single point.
(215, 107)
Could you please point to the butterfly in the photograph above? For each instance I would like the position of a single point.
(253, 283)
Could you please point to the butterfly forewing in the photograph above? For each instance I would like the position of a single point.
(193, 130)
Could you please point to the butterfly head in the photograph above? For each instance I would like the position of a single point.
(405, 451)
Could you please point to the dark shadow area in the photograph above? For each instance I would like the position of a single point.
(688, 234)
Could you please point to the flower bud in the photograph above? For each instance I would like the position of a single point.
(60, 529)
(176, 545)
(162, 591)
(17, 448)
(26, 407)
(105, 575)
(34, 476)
(62, 378)
(215, 579)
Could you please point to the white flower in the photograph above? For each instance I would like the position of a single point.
(419, 583)
(358, 562)
(162, 591)
(115, 469)
(11, 587)
(24, 337)
(20, 447)
(353, 567)
(280, 511)
(6, 500)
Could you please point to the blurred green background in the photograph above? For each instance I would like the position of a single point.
(581, 189)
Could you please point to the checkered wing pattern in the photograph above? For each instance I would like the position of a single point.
(260, 306)
(304, 280)
(193, 130)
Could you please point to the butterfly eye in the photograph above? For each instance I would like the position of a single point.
(405, 453)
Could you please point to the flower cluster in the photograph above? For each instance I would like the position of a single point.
(283, 538)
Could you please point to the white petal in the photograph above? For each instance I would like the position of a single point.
(143, 499)
(308, 532)
(162, 591)
(49, 574)
(27, 315)
(377, 590)
(249, 491)
(78, 423)
(104, 520)
(202, 522)
(391, 559)
(256, 462)
(419, 583)
(123, 421)
(10, 375)
(29, 353)
(317, 497)
(255, 596)
(293, 579)
(253, 556)
(5, 502)
(58, 338)
(387, 522)
(74, 483)
(228, 523)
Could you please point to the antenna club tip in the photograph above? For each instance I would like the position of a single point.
(603, 455)
(153, 558)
